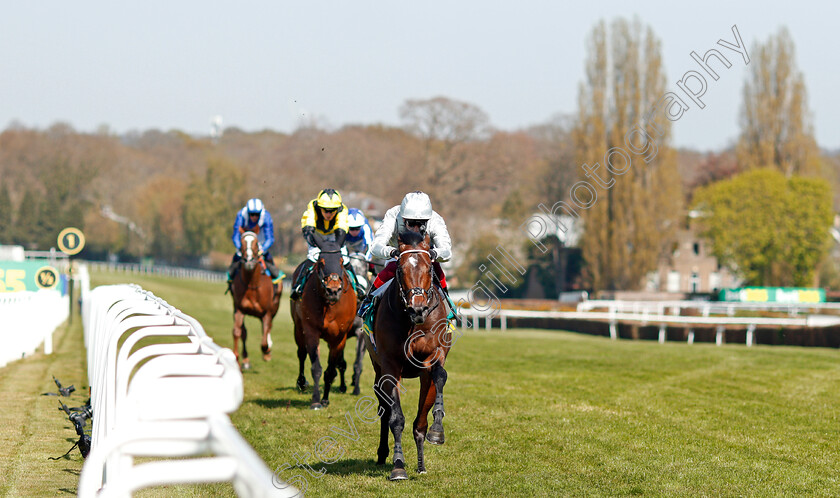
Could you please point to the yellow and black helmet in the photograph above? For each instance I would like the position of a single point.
(328, 199)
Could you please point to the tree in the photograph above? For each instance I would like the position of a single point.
(766, 228)
(210, 204)
(159, 208)
(775, 125)
(630, 221)
(6, 218)
(28, 220)
(448, 128)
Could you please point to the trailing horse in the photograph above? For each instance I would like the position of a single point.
(253, 294)
(411, 338)
(360, 267)
(326, 310)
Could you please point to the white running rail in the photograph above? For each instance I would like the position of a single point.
(27, 319)
(163, 400)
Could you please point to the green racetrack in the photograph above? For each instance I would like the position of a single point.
(528, 413)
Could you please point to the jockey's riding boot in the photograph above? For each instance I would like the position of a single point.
(365, 304)
(452, 307)
(272, 270)
(231, 270)
(297, 286)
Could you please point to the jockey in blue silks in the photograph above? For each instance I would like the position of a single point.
(360, 236)
(254, 214)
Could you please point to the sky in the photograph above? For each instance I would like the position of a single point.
(277, 64)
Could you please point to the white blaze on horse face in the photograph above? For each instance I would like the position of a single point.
(249, 237)
(412, 260)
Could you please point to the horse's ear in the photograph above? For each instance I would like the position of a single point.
(427, 241)
(241, 230)
(256, 229)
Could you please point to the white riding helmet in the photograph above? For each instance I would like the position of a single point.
(356, 219)
(254, 206)
(416, 206)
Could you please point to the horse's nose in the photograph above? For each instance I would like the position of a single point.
(420, 313)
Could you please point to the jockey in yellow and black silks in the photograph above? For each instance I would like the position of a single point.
(326, 218)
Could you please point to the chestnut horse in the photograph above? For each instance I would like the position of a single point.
(253, 294)
(326, 310)
(411, 339)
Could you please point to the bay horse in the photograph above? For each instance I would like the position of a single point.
(253, 294)
(411, 339)
(325, 310)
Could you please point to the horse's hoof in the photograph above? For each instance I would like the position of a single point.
(302, 384)
(325, 403)
(315, 406)
(435, 437)
(246, 365)
(398, 475)
(356, 391)
(342, 389)
(421, 470)
(267, 357)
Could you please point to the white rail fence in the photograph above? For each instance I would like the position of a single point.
(162, 400)
(168, 271)
(27, 319)
(706, 308)
(471, 317)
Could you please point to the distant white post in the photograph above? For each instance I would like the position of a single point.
(750, 330)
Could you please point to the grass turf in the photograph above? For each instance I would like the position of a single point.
(528, 413)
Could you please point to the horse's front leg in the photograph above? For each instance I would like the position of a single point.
(342, 367)
(421, 422)
(397, 423)
(312, 338)
(266, 337)
(383, 450)
(360, 351)
(435, 434)
(238, 323)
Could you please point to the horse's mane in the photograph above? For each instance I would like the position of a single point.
(412, 238)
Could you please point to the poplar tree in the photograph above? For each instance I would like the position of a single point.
(775, 124)
(632, 223)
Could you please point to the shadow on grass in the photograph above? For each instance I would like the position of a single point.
(355, 466)
(308, 390)
(68, 491)
(280, 403)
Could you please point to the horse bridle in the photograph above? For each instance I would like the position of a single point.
(321, 275)
(406, 296)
